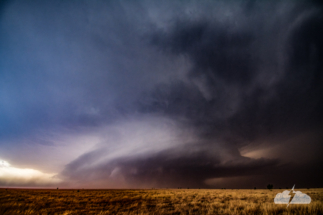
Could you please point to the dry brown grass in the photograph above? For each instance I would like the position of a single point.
(170, 201)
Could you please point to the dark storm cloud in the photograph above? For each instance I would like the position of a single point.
(215, 52)
(176, 91)
(226, 64)
(250, 79)
(168, 169)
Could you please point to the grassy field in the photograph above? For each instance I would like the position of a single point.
(159, 201)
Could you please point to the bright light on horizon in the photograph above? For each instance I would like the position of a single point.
(13, 176)
(4, 163)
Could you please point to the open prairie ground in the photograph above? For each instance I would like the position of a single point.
(155, 201)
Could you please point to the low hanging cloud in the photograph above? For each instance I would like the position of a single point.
(157, 152)
(140, 137)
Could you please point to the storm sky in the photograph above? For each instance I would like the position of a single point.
(142, 94)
